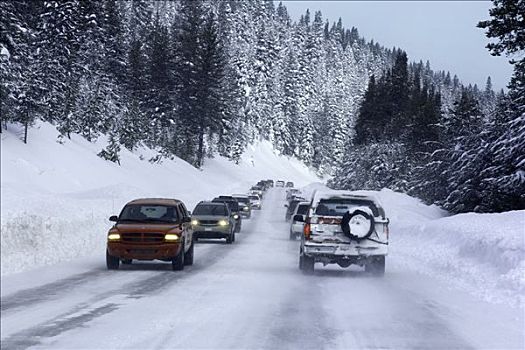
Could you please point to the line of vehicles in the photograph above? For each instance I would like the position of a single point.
(335, 227)
(163, 229)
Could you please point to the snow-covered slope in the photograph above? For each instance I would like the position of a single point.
(56, 198)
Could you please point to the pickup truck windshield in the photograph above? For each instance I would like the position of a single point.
(146, 213)
(339, 206)
(210, 209)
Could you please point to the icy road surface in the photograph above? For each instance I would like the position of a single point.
(245, 296)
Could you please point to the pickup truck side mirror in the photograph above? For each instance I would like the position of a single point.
(186, 219)
(286, 205)
(298, 218)
(113, 218)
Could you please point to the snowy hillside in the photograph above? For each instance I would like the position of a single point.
(56, 198)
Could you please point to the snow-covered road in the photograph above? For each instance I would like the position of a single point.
(247, 295)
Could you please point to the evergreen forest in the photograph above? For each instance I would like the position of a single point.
(199, 78)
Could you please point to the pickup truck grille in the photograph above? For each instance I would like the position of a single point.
(209, 222)
(142, 237)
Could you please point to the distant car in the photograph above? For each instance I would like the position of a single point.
(344, 228)
(234, 209)
(265, 185)
(296, 227)
(279, 183)
(270, 182)
(255, 200)
(258, 190)
(289, 184)
(213, 220)
(292, 204)
(151, 229)
(245, 205)
(291, 193)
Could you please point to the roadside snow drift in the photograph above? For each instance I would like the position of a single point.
(56, 198)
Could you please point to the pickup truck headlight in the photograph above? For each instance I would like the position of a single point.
(223, 223)
(236, 216)
(171, 237)
(113, 237)
(194, 222)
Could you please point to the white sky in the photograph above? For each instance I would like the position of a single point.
(443, 32)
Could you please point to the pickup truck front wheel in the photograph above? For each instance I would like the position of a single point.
(178, 262)
(112, 262)
(188, 257)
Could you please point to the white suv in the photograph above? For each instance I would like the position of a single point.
(344, 228)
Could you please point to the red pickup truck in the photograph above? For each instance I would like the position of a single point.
(151, 229)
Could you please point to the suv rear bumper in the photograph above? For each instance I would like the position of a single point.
(144, 252)
(351, 250)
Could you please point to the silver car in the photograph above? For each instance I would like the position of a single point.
(255, 200)
(296, 227)
(213, 220)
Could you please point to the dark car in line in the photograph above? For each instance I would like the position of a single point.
(233, 204)
(245, 205)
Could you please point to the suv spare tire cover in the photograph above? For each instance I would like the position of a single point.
(359, 224)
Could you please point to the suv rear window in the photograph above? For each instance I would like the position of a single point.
(339, 206)
(303, 209)
(144, 212)
(210, 209)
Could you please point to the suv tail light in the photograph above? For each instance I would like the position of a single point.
(306, 231)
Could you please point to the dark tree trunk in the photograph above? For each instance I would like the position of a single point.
(200, 151)
(26, 126)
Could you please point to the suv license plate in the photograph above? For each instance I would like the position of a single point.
(207, 229)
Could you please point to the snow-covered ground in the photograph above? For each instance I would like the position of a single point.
(451, 281)
(56, 198)
(249, 295)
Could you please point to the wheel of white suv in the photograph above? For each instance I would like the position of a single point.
(376, 266)
(306, 264)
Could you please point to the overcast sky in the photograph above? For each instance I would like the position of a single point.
(443, 32)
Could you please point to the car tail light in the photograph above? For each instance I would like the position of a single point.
(306, 231)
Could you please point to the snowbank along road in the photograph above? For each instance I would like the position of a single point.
(250, 295)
